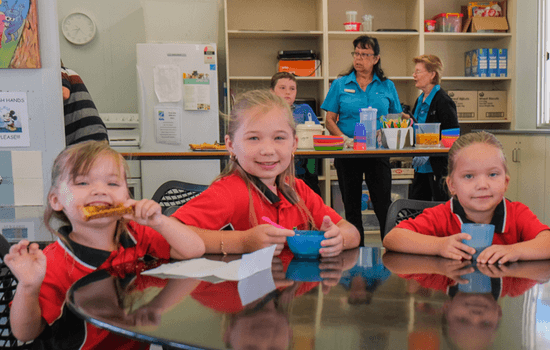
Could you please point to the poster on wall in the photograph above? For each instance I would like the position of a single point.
(196, 87)
(14, 120)
(19, 34)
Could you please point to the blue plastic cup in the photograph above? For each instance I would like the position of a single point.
(477, 283)
(482, 237)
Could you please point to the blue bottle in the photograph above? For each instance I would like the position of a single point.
(367, 117)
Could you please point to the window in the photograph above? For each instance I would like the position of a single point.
(543, 105)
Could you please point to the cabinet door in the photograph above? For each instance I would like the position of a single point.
(531, 178)
(546, 218)
(510, 144)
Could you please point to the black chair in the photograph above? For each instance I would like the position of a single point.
(403, 209)
(173, 194)
(8, 284)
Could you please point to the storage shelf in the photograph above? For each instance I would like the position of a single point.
(476, 78)
(265, 34)
(465, 36)
(233, 77)
(483, 121)
(391, 78)
(400, 36)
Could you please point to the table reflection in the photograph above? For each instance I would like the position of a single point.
(361, 299)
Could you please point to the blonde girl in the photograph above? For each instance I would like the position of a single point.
(259, 181)
(88, 174)
(478, 179)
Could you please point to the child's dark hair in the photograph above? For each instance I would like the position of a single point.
(253, 104)
(469, 139)
(74, 161)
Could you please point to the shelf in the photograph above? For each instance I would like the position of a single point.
(483, 121)
(399, 36)
(465, 36)
(476, 78)
(268, 78)
(391, 78)
(265, 34)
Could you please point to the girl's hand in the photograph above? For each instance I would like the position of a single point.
(333, 244)
(452, 247)
(27, 263)
(266, 235)
(499, 253)
(146, 212)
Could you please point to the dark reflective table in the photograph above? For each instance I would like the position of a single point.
(363, 299)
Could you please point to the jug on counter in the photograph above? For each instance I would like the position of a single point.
(305, 134)
(367, 116)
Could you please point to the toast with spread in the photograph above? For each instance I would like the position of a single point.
(96, 212)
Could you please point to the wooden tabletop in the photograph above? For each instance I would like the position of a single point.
(215, 154)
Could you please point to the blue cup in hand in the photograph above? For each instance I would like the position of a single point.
(477, 283)
(482, 237)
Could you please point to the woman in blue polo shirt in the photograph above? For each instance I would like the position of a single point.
(362, 86)
(432, 106)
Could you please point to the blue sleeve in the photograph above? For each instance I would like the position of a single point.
(330, 104)
(306, 109)
(395, 104)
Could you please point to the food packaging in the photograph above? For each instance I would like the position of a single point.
(429, 25)
(352, 26)
(448, 22)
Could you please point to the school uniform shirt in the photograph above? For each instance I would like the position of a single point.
(505, 286)
(346, 97)
(514, 222)
(225, 204)
(65, 266)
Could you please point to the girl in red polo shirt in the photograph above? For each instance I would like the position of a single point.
(259, 181)
(87, 174)
(478, 178)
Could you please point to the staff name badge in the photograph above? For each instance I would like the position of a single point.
(349, 90)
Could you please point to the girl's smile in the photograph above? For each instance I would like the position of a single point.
(264, 143)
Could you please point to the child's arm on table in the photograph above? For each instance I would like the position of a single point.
(184, 242)
(338, 237)
(240, 242)
(407, 241)
(537, 248)
(29, 267)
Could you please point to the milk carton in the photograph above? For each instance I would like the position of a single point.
(502, 68)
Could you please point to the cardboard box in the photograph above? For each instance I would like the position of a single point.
(466, 104)
(480, 62)
(468, 63)
(502, 69)
(492, 61)
(301, 68)
(485, 24)
(491, 105)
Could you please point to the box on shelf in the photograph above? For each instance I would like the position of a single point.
(468, 63)
(402, 173)
(479, 62)
(492, 62)
(448, 22)
(485, 24)
(491, 105)
(466, 104)
(301, 68)
(502, 68)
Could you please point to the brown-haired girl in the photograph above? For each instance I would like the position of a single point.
(88, 174)
(478, 178)
(259, 181)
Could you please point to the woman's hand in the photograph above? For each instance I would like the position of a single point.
(28, 264)
(452, 247)
(333, 244)
(262, 236)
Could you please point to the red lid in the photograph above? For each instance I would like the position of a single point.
(447, 15)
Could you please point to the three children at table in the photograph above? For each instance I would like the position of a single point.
(477, 180)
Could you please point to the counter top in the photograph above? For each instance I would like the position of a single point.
(406, 152)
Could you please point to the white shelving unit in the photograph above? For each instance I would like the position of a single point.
(256, 30)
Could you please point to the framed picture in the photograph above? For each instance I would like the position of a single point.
(19, 34)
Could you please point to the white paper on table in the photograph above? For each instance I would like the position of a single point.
(168, 81)
(235, 270)
(255, 286)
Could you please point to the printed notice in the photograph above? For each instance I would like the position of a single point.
(14, 120)
(168, 125)
(196, 90)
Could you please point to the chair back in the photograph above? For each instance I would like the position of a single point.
(176, 193)
(403, 209)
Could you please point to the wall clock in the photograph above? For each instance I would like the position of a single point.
(78, 28)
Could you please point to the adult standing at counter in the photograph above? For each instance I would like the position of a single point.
(362, 86)
(432, 106)
(283, 84)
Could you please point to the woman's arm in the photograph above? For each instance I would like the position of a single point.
(331, 119)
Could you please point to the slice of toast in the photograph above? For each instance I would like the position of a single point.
(95, 212)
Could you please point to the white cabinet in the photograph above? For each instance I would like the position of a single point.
(527, 162)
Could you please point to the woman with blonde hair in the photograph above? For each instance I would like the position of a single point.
(432, 106)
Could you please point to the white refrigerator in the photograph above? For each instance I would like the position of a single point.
(178, 105)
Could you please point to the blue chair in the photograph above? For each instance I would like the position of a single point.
(403, 209)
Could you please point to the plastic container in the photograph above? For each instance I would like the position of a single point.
(397, 138)
(448, 22)
(305, 244)
(305, 134)
(351, 24)
(429, 25)
(351, 16)
(482, 237)
(367, 116)
(426, 134)
(367, 23)
(360, 137)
